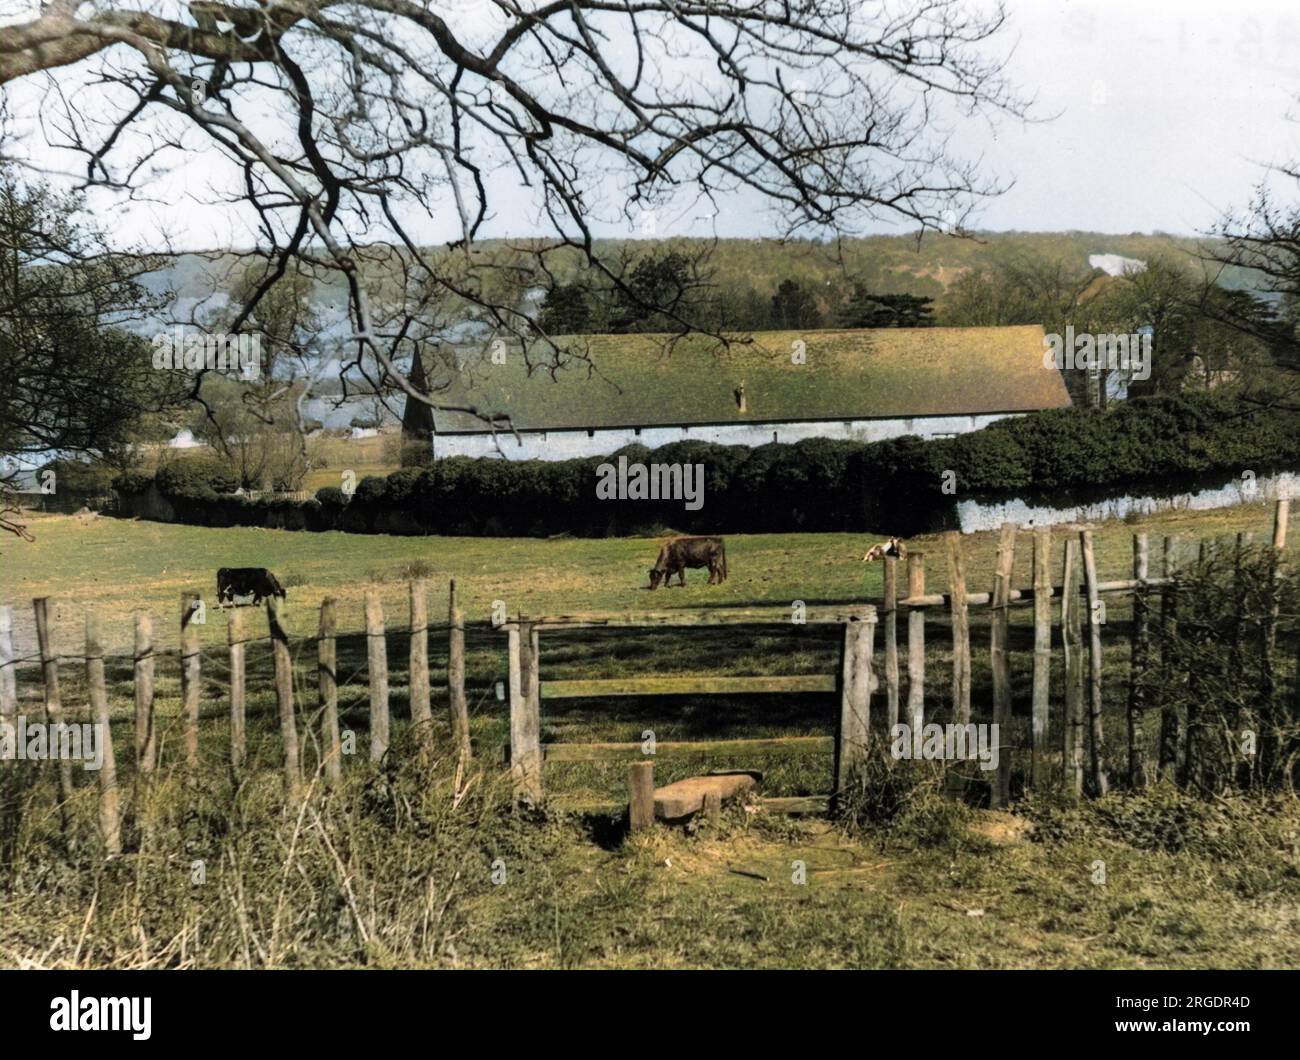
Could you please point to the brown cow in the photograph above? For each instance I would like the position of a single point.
(679, 553)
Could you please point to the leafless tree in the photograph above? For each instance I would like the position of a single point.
(342, 122)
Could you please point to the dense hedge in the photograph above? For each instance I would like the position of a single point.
(1155, 444)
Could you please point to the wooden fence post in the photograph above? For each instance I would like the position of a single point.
(418, 672)
(146, 741)
(855, 698)
(1042, 653)
(1140, 654)
(999, 662)
(8, 665)
(284, 696)
(327, 681)
(641, 796)
(53, 702)
(1168, 761)
(891, 642)
(456, 701)
(235, 640)
(190, 663)
(1072, 648)
(960, 630)
(525, 715)
(915, 644)
(1096, 617)
(377, 656)
(110, 821)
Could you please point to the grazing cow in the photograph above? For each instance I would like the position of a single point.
(682, 552)
(241, 581)
(893, 547)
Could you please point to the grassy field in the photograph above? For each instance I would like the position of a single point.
(1188, 884)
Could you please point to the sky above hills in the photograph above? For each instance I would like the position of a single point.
(1150, 116)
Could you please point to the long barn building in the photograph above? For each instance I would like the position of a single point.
(864, 385)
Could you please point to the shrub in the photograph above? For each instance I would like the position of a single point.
(194, 477)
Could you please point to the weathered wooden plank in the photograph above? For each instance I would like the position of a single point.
(1169, 722)
(8, 666)
(915, 642)
(1000, 789)
(146, 742)
(1072, 648)
(418, 664)
(725, 617)
(525, 716)
(641, 796)
(855, 700)
(1096, 618)
(110, 819)
(283, 664)
(327, 683)
(191, 602)
(235, 639)
(1042, 679)
(960, 630)
(1139, 657)
(377, 659)
(889, 607)
(589, 752)
(678, 685)
(458, 705)
(686, 797)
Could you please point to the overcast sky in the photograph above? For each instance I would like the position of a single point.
(1156, 115)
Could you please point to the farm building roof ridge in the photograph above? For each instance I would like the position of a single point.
(662, 380)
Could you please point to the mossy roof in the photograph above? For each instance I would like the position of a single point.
(647, 380)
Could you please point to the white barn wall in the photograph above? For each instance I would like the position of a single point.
(566, 444)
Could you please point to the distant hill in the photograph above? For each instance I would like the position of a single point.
(886, 264)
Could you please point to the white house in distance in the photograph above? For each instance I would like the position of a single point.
(864, 385)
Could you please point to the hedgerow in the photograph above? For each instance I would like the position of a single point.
(903, 484)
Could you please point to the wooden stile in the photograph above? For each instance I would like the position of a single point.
(1042, 680)
(457, 703)
(190, 677)
(960, 630)
(915, 643)
(1140, 655)
(236, 637)
(283, 662)
(8, 666)
(890, 609)
(418, 671)
(146, 740)
(1095, 620)
(327, 682)
(1072, 640)
(855, 699)
(377, 658)
(641, 796)
(999, 662)
(110, 819)
(53, 700)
